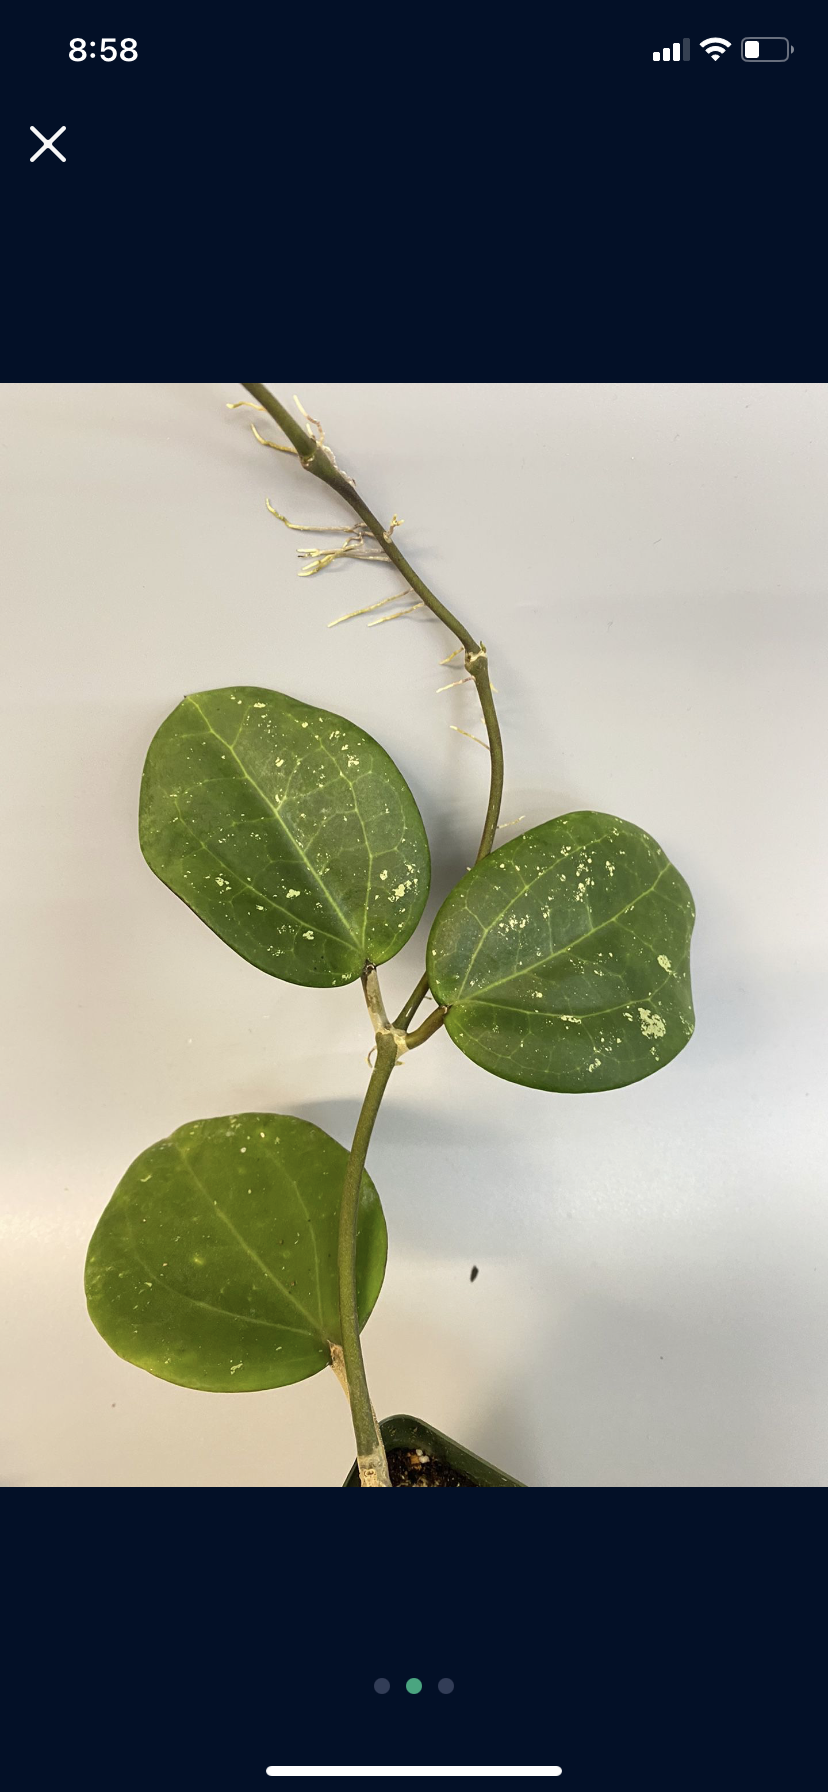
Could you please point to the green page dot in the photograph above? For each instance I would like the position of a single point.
(413, 1686)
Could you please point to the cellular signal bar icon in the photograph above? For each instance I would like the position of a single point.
(681, 52)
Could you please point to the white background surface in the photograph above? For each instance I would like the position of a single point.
(647, 566)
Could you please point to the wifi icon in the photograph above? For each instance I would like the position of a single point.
(715, 46)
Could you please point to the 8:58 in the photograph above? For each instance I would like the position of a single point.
(109, 53)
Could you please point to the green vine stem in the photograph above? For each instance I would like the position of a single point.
(415, 1001)
(373, 1467)
(391, 1040)
(317, 459)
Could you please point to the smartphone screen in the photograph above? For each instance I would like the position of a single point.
(460, 1123)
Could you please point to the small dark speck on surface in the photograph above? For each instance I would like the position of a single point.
(475, 1272)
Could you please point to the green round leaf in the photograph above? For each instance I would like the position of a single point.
(564, 958)
(214, 1265)
(287, 830)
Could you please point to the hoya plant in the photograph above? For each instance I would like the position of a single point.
(248, 1251)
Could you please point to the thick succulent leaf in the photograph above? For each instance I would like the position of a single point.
(564, 958)
(214, 1265)
(288, 830)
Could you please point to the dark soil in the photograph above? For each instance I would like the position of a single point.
(407, 1469)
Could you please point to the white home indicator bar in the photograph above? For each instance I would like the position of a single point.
(312, 1773)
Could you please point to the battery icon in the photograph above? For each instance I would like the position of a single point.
(766, 49)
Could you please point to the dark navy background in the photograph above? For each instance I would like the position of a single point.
(657, 1639)
(532, 198)
(534, 201)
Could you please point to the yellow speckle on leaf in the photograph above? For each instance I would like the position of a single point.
(652, 1025)
(664, 962)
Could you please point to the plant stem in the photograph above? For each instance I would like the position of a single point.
(430, 1025)
(415, 1000)
(317, 459)
(373, 1468)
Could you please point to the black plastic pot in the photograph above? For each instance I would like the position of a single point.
(404, 1433)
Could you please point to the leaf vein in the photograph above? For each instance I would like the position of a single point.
(538, 964)
(282, 823)
(518, 897)
(239, 1237)
(254, 890)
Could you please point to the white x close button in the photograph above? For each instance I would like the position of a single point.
(47, 143)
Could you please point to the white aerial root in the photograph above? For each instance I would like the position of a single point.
(393, 617)
(481, 743)
(280, 447)
(352, 549)
(366, 607)
(319, 528)
(353, 546)
(455, 682)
